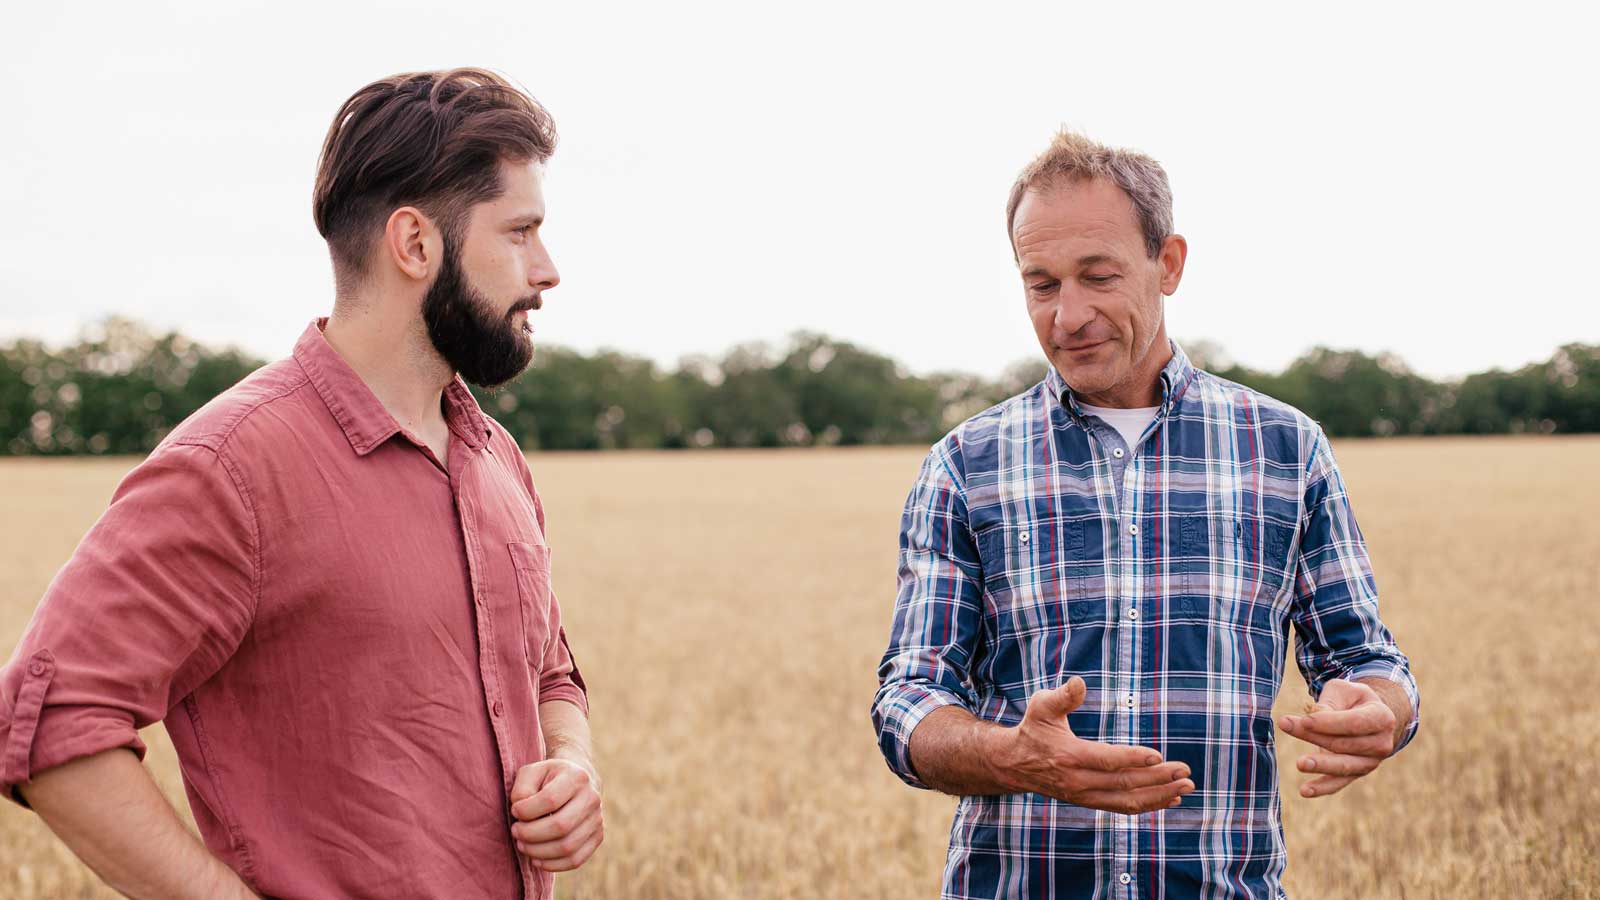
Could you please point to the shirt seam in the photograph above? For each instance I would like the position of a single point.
(236, 475)
(216, 440)
(231, 819)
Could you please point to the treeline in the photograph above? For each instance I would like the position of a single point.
(121, 388)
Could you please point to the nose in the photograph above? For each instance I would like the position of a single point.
(542, 274)
(1071, 316)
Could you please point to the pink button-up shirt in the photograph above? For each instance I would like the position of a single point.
(347, 642)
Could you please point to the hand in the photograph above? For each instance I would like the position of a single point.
(1356, 728)
(557, 804)
(1043, 755)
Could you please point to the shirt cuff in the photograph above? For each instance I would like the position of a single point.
(1400, 675)
(565, 690)
(39, 737)
(899, 713)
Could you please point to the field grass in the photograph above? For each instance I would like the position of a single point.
(729, 609)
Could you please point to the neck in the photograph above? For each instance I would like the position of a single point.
(396, 360)
(1142, 388)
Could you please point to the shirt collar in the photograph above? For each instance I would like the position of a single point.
(365, 421)
(1176, 376)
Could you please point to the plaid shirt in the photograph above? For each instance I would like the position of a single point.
(1036, 545)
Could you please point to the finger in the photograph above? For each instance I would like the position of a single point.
(551, 796)
(1113, 757)
(1369, 718)
(559, 824)
(1327, 784)
(1336, 764)
(1378, 745)
(1057, 702)
(1142, 800)
(1132, 779)
(1320, 740)
(573, 861)
(566, 845)
(528, 780)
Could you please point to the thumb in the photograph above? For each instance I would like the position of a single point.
(1057, 702)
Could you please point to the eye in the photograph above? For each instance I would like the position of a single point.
(1043, 287)
(1101, 279)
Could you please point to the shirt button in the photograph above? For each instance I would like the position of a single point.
(36, 668)
(1125, 878)
(1133, 614)
(1131, 701)
(1022, 536)
(1117, 452)
(499, 709)
(1133, 529)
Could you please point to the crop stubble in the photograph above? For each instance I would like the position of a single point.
(729, 608)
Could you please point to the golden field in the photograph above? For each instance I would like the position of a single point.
(729, 608)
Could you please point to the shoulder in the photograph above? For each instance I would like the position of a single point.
(973, 445)
(215, 425)
(1286, 433)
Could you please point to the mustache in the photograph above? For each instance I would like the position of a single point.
(533, 301)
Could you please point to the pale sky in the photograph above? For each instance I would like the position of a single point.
(1387, 177)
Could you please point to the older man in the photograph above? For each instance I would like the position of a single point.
(1098, 578)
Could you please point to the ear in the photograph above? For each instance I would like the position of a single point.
(412, 242)
(1174, 250)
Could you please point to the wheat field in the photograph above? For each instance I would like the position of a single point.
(728, 609)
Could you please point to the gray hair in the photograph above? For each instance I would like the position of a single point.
(1073, 157)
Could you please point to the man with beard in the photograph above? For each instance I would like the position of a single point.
(332, 583)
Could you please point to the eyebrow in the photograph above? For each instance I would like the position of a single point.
(520, 221)
(1083, 262)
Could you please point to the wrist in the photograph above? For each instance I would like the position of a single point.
(579, 758)
(999, 751)
(1394, 697)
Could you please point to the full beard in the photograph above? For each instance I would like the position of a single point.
(486, 347)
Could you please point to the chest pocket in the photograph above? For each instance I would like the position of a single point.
(1229, 560)
(1044, 598)
(531, 563)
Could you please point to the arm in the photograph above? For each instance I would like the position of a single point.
(154, 600)
(109, 812)
(958, 753)
(556, 801)
(560, 823)
(566, 735)
(1366, 699)
(923, 709)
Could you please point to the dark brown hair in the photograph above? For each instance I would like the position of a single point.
(433, 140)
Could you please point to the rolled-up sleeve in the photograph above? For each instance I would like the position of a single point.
(937, 615)
(1336, 597)
(559, 678)
(154, 600)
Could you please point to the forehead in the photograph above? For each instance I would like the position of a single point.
(521, 188)
(1076, 217)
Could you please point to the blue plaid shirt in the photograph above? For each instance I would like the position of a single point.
(1036, 545)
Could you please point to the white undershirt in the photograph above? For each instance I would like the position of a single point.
(1130, 423)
